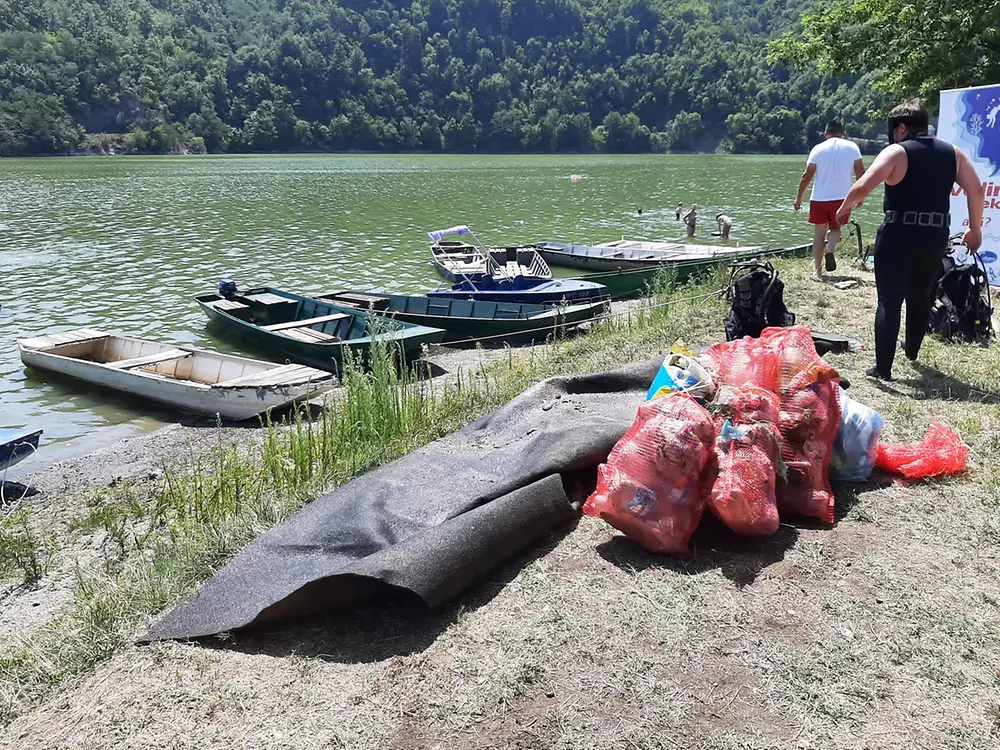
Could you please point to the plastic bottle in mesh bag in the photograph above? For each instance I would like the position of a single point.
(651, 487)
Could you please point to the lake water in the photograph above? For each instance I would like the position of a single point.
(123, 243)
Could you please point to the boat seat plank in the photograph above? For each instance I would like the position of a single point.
(229, 305)
(266, 298)
(305, 323)
(309, 335)
(357, 300)
(59, 339)
(151, 359)
(283, 375)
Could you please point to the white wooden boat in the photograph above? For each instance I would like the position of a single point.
(679, 251)
(191, 379)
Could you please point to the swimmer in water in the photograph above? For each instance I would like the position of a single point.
(725, 225)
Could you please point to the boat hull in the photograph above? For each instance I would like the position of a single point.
(235, 402)
(325, 356)
(545, 293)
(631, 283)
(465, 320)
(627, 255)
(593, 263)
(17, 445)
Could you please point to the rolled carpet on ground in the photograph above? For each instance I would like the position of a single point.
(433, 521)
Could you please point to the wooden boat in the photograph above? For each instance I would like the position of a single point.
(191, 379)
(306, 330)
(16, 445)
(472, 320)
(636, 282)
(628, 254)
(456, 260)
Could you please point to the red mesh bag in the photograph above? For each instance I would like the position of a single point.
(743, 494)
(809, 421)
(784, 360)
(940, 452)
(781, 360)
(651, 487)
(745, 361)
(746, 405)
(799, 366)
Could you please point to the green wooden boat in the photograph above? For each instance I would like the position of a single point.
(629, 283)
(471, 320)
(313, 332)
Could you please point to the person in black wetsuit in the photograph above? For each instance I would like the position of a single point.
(919, 172)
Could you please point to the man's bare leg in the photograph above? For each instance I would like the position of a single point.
(831, 248)
(819, 246)
(832, 239)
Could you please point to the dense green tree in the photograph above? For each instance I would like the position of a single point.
(456, 75)
(685, 132)
(905, 48)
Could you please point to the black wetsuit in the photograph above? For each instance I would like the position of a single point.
(908, 256)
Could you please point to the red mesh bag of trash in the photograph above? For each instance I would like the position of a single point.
(746, 405)
(799, 365)
(743, 494)
(784, 360)
(808, 422)
(781, 360)
(745, 361)
(651, 487)
(940, 452)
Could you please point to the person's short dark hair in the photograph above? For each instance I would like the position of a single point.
(718, 216)
(912, 114)
(834, 127)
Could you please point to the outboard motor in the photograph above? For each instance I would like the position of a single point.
(227, 287)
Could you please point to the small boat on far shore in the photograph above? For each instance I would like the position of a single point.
(17, 444)
(475, 320)
(195, 380)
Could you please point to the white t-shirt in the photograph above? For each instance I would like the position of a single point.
(834, 159)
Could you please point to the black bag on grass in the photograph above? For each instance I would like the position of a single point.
(757, 298)
(961, 309)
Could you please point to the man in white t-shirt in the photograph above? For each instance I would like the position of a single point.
(831, 163)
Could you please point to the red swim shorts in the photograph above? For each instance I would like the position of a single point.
(824, 212)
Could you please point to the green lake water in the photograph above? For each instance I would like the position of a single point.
(122, 244)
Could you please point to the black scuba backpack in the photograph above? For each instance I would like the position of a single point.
(961, 309)
(757, 297)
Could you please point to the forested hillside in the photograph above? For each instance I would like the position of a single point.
(430, 75)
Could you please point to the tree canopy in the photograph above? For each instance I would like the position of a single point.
(908, 49)
(430, 75)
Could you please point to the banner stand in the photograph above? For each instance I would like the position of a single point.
(970, 119)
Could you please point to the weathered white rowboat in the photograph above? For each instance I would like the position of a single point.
(191, 379)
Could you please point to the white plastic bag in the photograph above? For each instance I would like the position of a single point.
(680, 372)
(857, 440)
